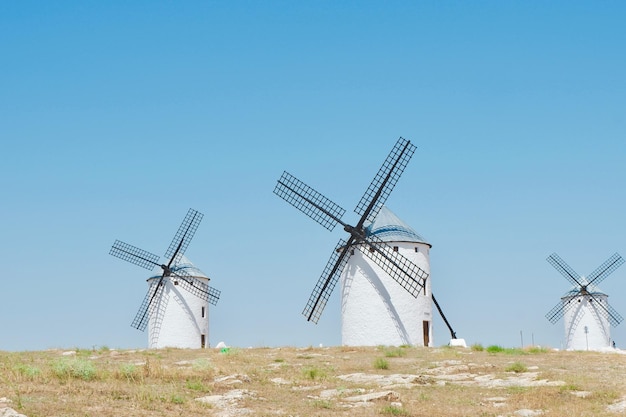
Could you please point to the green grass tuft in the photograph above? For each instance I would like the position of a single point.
(28, 371)
(516, 367)
(313, 373)
(78, 368)
(381, 363)
(395, 353)
(394, 411)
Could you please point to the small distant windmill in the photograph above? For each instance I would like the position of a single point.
(387, 258)
(586, 310)
(183, 323)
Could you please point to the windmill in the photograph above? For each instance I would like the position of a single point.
(389, 261)
(183, 323)
(586, 311)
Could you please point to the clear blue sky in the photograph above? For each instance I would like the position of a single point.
(117, 117)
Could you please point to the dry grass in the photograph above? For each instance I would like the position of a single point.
(313, 382)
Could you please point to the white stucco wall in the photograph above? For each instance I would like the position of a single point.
(585, 314)
(376, 310)
(176, 320)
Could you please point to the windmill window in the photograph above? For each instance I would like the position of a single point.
(417, 249)
(203, 312)
(351, 251)
(175, 282)
(372, 249)
(395, 249)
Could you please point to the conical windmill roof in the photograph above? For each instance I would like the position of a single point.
(389, 228)
(184, 265)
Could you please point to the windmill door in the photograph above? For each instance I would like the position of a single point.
(426, 332)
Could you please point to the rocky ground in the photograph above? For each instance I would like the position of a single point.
(313, 382)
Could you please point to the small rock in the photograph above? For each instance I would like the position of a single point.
(233, 379)
(306, 388)
(618, 407)
(9, 412)
(374, 396)
(69, 353)
(581, 394)
(528, 413)
(281, 381)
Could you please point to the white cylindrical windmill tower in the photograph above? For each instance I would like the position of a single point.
(586, 325)
(179, 318)
(375, 309)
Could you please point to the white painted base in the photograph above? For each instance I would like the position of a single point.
(457, 343)
(586, 327)
(178, 319)
(376, 310)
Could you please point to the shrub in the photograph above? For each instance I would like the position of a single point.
(74, 368)
(128, 371)
(201, 364)
(177, 399)
(477, 347)
(313, 373)
(28, 371)
(323, 404)
(195, 385)
(395, 411)
(381, 363)
(395, 353)
(495, 349)
(516, 367)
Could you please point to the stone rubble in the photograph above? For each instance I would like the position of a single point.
(6, 411)
(228, 403)
(617, 407)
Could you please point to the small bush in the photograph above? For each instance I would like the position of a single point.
(177, 399)
(537, 349)
(313, 373)
(129, 371)
(495, 349)
(477, 347)
(202, 364)
(195, 385)
(569, 387)
(381, 363)
(28, 371)
(516, 367)
(323, 404)
(74, 368)
(395, 353)
(395, 411)
(515, 351)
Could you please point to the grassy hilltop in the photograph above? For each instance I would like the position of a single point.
(381, 381)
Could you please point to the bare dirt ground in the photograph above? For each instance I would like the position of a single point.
(376, 381)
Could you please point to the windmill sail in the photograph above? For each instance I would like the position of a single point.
(328, 214)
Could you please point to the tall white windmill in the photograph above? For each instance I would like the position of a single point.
(401, 272)
(183, 321)
(585, 309)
